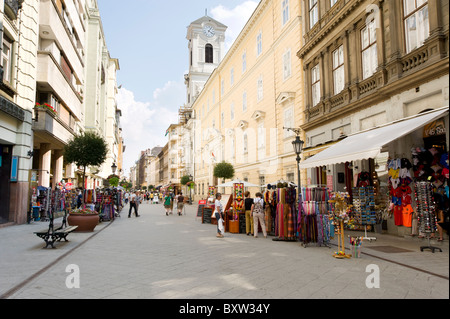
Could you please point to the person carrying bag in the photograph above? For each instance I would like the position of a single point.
(218, 213)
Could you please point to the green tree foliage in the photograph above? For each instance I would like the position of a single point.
(224, 170)
(185, 179)
(86, 149)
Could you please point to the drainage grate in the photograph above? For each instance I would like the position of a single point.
(389, 249)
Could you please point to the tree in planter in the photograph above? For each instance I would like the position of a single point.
(86, 149)
(126, 185)
(113, 180)
(224, 170)
(185, 179)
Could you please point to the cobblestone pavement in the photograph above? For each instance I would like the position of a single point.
(177, 257)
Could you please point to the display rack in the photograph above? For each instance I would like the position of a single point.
(313, 220)
(426, 208)
(364, 208)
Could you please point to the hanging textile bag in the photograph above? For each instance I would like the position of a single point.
(221, 227)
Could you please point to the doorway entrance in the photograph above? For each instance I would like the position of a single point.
(5, 175)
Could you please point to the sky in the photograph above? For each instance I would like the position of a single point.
(149, 39)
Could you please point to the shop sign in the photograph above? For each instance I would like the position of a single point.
(330, 182)
(434, 128)
(14, 168)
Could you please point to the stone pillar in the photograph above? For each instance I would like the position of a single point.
(58, 170)
(45, 158)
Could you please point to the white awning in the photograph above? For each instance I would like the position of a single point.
(368, 144)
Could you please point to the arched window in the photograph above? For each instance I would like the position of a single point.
(209, 53)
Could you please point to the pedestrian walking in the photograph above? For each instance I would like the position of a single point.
(139, 199)
(133, 204)
(218, 211)
(167, 203)
(79, 198)
(258, 214)
(180, 203)
(126, 196)
(248, 202)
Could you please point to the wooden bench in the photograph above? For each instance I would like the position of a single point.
(51, 236)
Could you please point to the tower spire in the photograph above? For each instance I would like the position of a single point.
(206, 11)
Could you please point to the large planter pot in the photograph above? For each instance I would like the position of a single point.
(85, 222)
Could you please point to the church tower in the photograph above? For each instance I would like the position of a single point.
(206, 44)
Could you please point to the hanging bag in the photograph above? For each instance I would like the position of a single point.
(221, 227)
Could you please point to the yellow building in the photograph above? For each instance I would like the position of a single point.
(254, 93)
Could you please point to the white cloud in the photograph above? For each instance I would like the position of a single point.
(145, 123)
(235, 19)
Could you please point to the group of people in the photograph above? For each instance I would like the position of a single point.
(254, 214)
(169, 200)
(136, 198)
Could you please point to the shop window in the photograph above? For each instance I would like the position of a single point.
(417, 27)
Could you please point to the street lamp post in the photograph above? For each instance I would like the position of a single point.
(113, 168)
(298, 148)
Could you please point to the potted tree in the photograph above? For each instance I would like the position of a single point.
(86, 149)
(224, 170)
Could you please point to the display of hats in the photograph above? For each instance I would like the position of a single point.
(444, 160)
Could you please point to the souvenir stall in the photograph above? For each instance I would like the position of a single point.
(238, 211)
(285, 218)
(90, 198)
(364, 208)
(314, 225)
(340, 209)
(70, 199)
(105, 204)
(270, 200)
(40, 203)
(426, 208)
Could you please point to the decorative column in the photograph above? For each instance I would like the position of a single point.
(58, 171)
(45, 159)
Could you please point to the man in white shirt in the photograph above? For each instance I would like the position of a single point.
(133, 203)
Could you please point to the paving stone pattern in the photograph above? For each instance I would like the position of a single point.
(177, 257)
